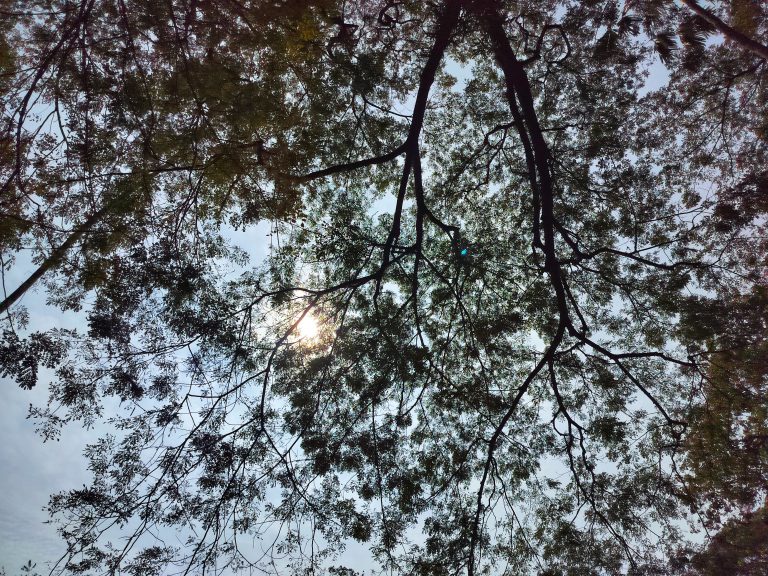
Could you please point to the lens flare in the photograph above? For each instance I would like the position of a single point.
(307, 327)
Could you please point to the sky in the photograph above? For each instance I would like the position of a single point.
(31, 470)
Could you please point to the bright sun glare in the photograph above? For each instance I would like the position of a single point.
(307, 328)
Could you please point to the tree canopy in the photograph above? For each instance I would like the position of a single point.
(513, 315)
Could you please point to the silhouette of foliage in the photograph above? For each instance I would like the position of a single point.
(511, 319)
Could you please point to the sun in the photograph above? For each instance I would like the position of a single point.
(308, 327)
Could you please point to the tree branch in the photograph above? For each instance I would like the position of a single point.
(729, 32)
(349, 166)
(55, 257)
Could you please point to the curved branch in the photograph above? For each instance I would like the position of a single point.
(537, 51)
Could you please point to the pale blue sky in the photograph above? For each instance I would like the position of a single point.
(31, 470)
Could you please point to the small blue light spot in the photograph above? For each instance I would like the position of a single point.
(464, 251)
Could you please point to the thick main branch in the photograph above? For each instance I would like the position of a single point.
(728, 31)
(519, 90)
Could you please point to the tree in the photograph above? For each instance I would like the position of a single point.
(739, 548)
(517, 366)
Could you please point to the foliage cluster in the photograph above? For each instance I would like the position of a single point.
(532, 235)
